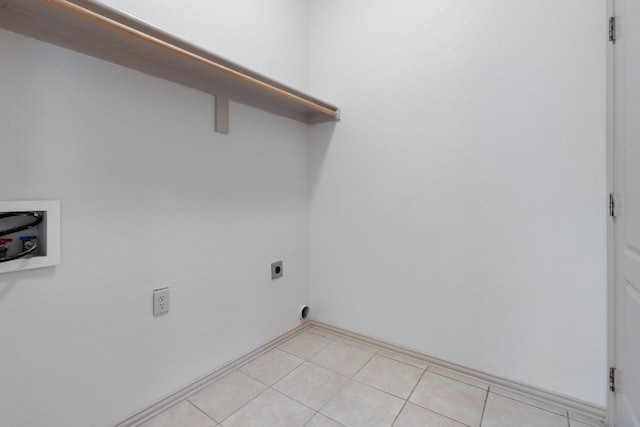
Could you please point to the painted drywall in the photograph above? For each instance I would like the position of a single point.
(269, 37)
(150, 197)
(456, 208)
(459, 207)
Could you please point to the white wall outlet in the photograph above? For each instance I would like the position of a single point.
(160, 301)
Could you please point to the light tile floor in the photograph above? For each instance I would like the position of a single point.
(320, 379)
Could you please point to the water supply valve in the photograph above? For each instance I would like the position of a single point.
(14, 223)
(29, 234)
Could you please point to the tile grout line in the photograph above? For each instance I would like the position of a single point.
(258, 357)
(440, 414)
(345, 384)
(193, 404)
(400, 361)
(375, 351)
(448, 366)
(286, 395)
(328, 369)
(320, 335)
(484, 407)
(187, 396)
(340, 373)
(353, 377)
(405, 400)
(420, 406)
(301, 357)
(297, 401)
(288, 352)
(334, 394)
(323, 415)
(345, 341)
(245, 404)
(278, 380)
(379, 389)
(308, 360)
(372, 347)
(312, 416)
(270, 387)
(528, 404)
(395, 419)
(431, 410)
(261, 393)
(589, 421)
(462, 382)
(384, 391)
(408, 397)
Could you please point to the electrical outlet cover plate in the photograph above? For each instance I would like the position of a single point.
(276, 270)
(160, 301)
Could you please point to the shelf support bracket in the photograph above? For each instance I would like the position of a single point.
(222, 114)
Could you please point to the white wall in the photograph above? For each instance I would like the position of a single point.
(459, 208)
(150, 197)
(269, 37)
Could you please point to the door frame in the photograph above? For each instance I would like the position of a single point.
(610, 185)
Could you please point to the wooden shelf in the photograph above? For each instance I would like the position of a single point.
(104, 33)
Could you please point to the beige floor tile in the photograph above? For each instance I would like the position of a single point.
(270, 409)
(416, 416)
(311, 384)
(358, 405)
(389, 375)
(227, 395)
(403, 358)
(457, 376)
(182, 414)
(305, 345)
(590, 421)
(450, 398)
(502, 411)
(528, 400)
(271, 366)
(342, 358)
(320, 420)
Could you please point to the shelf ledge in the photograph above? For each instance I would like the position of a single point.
(107, 34)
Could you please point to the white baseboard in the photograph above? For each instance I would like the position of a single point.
(571, 404)
(170, 400)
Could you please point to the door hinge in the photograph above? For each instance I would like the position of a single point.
(612, 379)
(612, 205)
(612, 29)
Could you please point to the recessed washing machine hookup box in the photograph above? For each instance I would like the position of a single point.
(29, 234)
